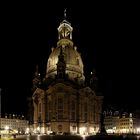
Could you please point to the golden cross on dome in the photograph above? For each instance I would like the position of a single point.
(65, 14)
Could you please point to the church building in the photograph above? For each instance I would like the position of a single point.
(62, 102)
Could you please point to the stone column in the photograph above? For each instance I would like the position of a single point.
(35, 115)
(43, 114)
(77, 112)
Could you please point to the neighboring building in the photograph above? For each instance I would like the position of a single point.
(13, 123)
(116, 122)
(62, 102)
(111, 121)
(127, 123)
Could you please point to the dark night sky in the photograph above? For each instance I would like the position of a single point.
(107, 37)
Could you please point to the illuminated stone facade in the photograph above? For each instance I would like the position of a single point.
(62, 102)
(17, 125)
(116, 122)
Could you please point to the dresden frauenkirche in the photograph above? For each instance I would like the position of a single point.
(62, 102)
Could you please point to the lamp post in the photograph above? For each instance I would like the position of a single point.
(101, 123)
(38, 130)
(7, 130)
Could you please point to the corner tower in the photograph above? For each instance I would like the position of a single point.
(73, 60)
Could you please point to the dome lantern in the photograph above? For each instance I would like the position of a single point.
(72, 58)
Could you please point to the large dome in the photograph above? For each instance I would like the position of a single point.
(74, 64)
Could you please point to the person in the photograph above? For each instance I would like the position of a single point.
(14, 135)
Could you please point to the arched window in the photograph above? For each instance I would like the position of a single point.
(73, 105)
(39, 113)
(73, 110)
(85, 112)
(60, 108)
(49, 111)
(60, 104)
(39, 108)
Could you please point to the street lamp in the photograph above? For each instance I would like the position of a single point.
(7, 129)
(38, 129)
(27, 130)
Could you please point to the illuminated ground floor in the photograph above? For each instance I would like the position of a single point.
(135, 130)
(67, 127)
